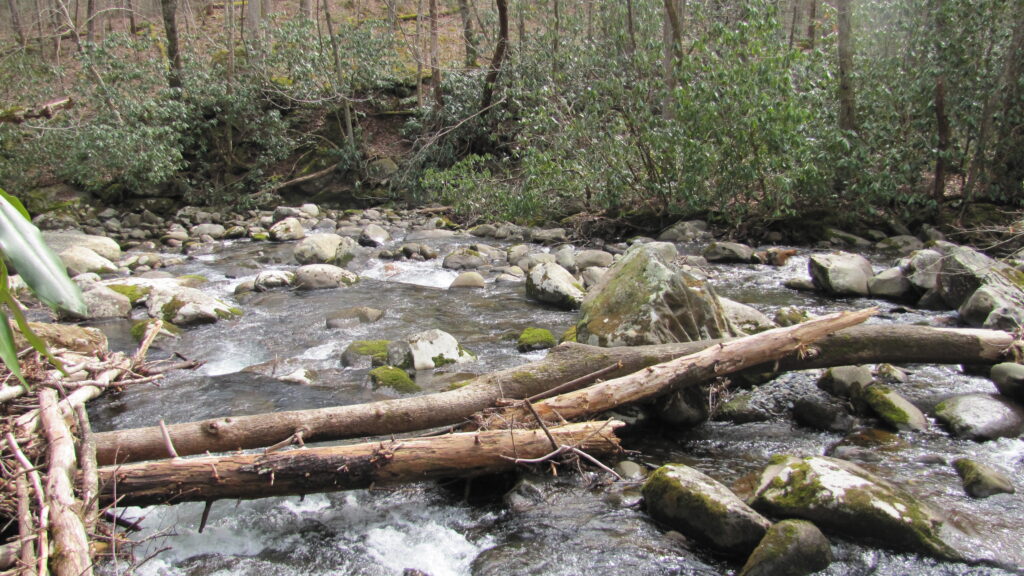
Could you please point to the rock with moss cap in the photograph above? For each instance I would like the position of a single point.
(365, 353)
(841, 497)
(790, 548)
(394, 378)
(703, 509)
(550, 283)
(535, 339)
(434, 348)
(183, 306)
(981, 481)
(981, 416)
(893, 409)
(644, 298)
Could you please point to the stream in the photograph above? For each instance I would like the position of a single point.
(571, 524)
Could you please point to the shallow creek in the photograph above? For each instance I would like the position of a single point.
(552, 526)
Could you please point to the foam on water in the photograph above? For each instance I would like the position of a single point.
(428, 273)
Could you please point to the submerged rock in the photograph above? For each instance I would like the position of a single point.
(645, 299)
(981, 417)
(394, 378)
(353, 315)
(790, 548)
(981, 481)
(842, 497)
(703, 509)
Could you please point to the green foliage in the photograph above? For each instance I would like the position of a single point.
(22, 245)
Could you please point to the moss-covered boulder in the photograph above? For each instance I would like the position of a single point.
(841, 497)
(703, 509)
(434, 348)
(981, 481)
(550, 283)
(644, 298)
(790, 548)
(535, 339)
(365, 353)
(184, 306)
(893, 409)
(981, 416)
(394, 378)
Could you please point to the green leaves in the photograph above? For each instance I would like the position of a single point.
(23, 245)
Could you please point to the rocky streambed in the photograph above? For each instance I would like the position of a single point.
(296, 308)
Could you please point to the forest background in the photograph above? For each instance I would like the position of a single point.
(754, 114)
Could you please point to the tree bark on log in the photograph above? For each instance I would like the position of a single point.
(654, 381)
(334, 468)
(70, 556)
(897, 344)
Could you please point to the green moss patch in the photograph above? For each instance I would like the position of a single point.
(377, 350)
(395, 378)
(535, 339)
(134, 292)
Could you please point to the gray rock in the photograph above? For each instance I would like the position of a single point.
(549, 236)
(703, 509)
(103, 302)
(533, 260)
(286, 230)
(684, 408)
(80, 260)
(800, 284)
(317, 248)
(964, 270)
(432, 348)
(592, 276)
(310, 210)
(645, 299)
(981, 481)
(901, 245)
(586, 259)
(516, 253)
(105, 247)
(790, 548)
(321, 276)
(630, 470)
(840, 273)
(746, 318)
(993, 306)
(373, 236)
(823, 412)
(841, 238)
(464, 258)
(184, 306)
(981, 417)
(215, 231)
(842, 497)
(728, 252)
(285, 212)
(685, 231)
(468, 280)
(894, 409)
(365, 354)
(270, 279)
(891, 284)
(553, 284)
(1009, 380)
(566, 258)
(845, 381)
(922, 269)
(356, 314)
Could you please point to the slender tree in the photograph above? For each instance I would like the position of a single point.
(468, 37)
(672, 49)
(847, 106)
(941, 118)
(169, 9)
(19, 32)
(435, 57)
(499, 57)
(90, 20)
(306, 9)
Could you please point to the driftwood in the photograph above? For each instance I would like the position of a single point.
(47, 110)
(333, 468)
(857, 345)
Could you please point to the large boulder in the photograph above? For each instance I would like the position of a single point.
(102, 302)
(593, 259)
(790, 548)
(287, 229)
(317, 249)
(981, 416)
(321, 276)
(996, 307)
(1009, 380)
(921, 268)
(728, 252)
(703, 509)
(965, 271)
(746, 318)
(841, 497)
(184, 306)
(433, 348)
(892, 284)
(840, 273)
(553, 284)
(81, 260)
(61, 241)
(645, 299)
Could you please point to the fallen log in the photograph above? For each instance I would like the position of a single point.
(334, 468)
(897, 344)
(725, 358)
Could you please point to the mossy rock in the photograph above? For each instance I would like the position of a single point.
(790, 548)
(394, 378)
(375, 350)
(192, 280)
(136, 293)
(982, 481)
(535, 339)
(138, 329)
(894, 409)
(569, 335)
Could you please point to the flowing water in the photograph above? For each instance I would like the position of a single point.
(575, 524)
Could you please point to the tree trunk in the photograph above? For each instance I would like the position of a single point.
(71, 545)
(251, 20)
(341, 87)
(667, 377)
(306, 9)
(556, 7)
(672, 38)
(170, 9)
(435, 58)
(847, 107)
(564, 363)
(630, 28)
(334, 468)
(812, 18)
(19, 32)
(499, 57)
(467, 34)
(133, 26)
(392, 14)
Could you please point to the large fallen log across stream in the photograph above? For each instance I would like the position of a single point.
(898, 344)
(332, 468)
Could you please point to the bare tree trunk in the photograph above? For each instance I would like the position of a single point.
(794, 23)
(90, 20)
(672, 35)
(19, 32)
(132, 24)
(334, 468)
(435, 58)
(418, 53)
(392, 14)
(339, 79)
(498, 60)
(251, 22)
(467, 34)
(630, 28)
(812, 18)
(306, 9)
(941, 119)
(170, 9)
(847, 106)
(557, 9)
(564, 363)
